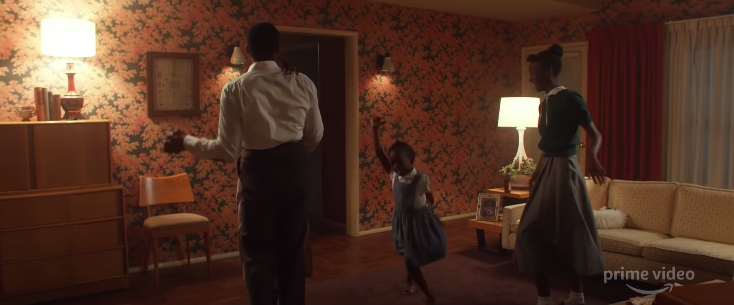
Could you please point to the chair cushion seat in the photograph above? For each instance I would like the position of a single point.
(627, 241)
(174, 221)
(701, 254)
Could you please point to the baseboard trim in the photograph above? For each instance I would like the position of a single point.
(183, 262)
(373, 231)
(446, 218)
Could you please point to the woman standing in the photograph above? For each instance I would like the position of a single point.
(557, 231)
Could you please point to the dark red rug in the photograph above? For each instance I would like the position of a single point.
(470, 278)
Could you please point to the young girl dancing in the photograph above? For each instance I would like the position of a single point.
(418, 233)
(557, 228)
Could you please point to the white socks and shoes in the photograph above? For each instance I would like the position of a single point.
(575, 298)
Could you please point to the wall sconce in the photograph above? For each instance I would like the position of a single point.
(237, 59)
(384, 63)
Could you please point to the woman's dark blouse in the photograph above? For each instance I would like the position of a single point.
(560, 117)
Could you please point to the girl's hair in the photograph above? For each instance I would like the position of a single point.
(403, 148)
(550, 58)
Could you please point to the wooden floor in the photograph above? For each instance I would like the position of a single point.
(335, 255)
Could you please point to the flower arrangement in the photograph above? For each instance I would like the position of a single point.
(514, 169)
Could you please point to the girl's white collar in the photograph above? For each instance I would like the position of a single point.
(409, 176)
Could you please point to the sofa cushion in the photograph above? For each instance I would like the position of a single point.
(627, 241)
(704, 213)
(515, 225)
(648, 205)
(695, 253)
(597, 193)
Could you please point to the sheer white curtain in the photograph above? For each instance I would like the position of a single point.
(700, 102)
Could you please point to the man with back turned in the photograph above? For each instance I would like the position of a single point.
(275, 117)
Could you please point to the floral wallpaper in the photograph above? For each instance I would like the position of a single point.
(443, 98)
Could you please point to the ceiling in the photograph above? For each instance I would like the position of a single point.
(507, 10)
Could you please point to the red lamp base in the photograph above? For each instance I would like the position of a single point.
(72, 102)
(72, 108)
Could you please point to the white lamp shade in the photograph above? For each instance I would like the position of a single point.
(237, 57)
(68, 37)
(518, 112)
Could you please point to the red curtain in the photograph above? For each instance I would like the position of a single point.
(625, 97)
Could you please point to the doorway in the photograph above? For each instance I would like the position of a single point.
(329, 59)
(321, 58)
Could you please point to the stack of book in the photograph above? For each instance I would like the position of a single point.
(48, 105)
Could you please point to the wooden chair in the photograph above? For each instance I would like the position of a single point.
(170, 190)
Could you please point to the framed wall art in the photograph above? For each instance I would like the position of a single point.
(488, 207)
(173, 84)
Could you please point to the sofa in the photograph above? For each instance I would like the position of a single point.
(669, 226)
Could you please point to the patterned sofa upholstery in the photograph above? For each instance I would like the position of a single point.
(669, 225)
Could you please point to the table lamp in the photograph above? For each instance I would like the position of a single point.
(70, 38)
(521, 113)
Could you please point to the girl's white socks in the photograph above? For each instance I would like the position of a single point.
(575, 298)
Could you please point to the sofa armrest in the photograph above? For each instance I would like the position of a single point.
(510, 214)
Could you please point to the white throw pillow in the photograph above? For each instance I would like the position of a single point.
(610, 219)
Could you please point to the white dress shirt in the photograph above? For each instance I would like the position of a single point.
(424, 185)
(262, 109)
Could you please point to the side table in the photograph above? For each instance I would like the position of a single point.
(495, 227)
(482, 226)
(515, 194)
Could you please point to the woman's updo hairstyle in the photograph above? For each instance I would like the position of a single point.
(550, 58)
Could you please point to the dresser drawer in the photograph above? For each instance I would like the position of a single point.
(71, 154)
(15, 158)
(43, 242)
(61, 272)
(59, 154)
(59, 207)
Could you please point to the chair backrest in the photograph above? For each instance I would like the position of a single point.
(165, 190)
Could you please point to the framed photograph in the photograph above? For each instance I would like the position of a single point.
(173, 84)
(488, 207)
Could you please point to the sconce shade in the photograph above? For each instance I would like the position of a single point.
(238, 58)
(65, 37)
(387, 65)
(518, 112)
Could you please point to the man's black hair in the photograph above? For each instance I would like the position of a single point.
(263, 41)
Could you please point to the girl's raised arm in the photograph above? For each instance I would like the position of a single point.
(377, 122)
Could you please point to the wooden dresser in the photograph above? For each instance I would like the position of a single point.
(62, 222)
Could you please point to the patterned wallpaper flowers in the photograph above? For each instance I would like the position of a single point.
(443, 98)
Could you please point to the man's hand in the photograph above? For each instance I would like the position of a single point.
(596, 171)
(174, 142)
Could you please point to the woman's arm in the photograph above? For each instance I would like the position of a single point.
(379, 151)
(595, 138)
(596, 170)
